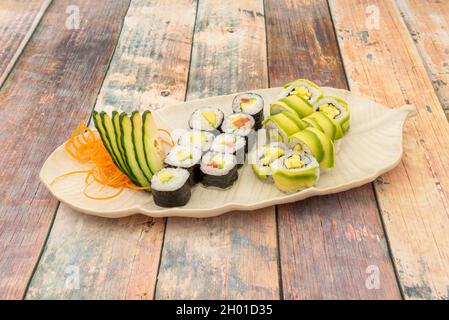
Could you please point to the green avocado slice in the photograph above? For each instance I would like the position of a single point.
(126, 129)
(283, 123)
(310, 139)
(288, 180)
(151, 143)
(326, 125)
(328, 160)
(294, 118)
(302, 107)
(279, 106)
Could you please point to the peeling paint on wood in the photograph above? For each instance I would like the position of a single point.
(326, 243)
(415, 202)
(232, 256)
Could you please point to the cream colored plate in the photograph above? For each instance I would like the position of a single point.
(372, 147)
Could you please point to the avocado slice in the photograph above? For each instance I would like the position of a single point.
(283, 123)
(302, 107)
(328, 160)
(325, 124)
(310, 139)
(279, 106)
(110, 134)
(136, 120)
(289, 180)
(126, 128)
(151, 143)
(294, 118)
(211, 118)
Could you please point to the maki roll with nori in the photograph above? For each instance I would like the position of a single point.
(295, 171)
(231, 144)
(282, 125)
(297, 105)
(206, 119)
(170, 187)
(249, 103)
(242, 125)
(219, 170)
(337, 110)
(267, 155)
(314, 141)
(186, 157)
(198, 139)
(302, 88)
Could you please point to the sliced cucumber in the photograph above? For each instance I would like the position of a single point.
(118, 139)
(110, 135)
(151, 143)
(102, 131)
(136, 120)
(126, 129)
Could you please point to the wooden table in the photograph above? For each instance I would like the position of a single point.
(385, 240)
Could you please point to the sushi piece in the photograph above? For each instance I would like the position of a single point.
(265, 156)
(303, 88)
(219, 170)
(232, 144)
(337, 110)
(295, 104)
(170, 187)
(186, 157)
(282, 125)
(295, 171)
(206, 119)
(242, 125)
(325, 124)
(314, 141)
(198, 139)
(250, 103)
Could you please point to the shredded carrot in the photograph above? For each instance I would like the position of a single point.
(85, 147)
(170, 143)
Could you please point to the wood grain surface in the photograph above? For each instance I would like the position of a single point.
(428, 24)
(118, 259)
(51, 89)
(233, 256)
(328, 245)
(414, 197)
(18, 20)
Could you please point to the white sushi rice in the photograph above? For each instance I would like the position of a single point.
(315, 92)
(172, 157)
(308, 159)
(187, 139)
(199, 122)
(229, 161)
(228, 143)
(180, 177)
(250, 109)
(229, 127)
(335, 103)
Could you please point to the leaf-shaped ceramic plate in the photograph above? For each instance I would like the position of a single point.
(372, 147)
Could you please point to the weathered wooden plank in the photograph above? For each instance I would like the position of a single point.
(384, 64)
(18, 20)
(118, 259)
(232, 256)
(428, 23)
(52, 88)
(327, 244)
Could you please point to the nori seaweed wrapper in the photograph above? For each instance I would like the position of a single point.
(222, 182)
(170, 199)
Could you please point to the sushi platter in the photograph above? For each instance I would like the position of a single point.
(242, 151)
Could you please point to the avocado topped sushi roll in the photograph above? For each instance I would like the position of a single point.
(314, 141)
(219, 169)
(265, 156)
(295, 171)
(295, 104)
(170, 187)
(282, 125)
(198, 139)
(187, 157)
(336, 109)
(232, 144)
(325, 124)
(242, 125)
(249, 103)
(206, 119)
(303, 88)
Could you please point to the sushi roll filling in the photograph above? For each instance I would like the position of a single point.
(183, 156)
(238, 123)
(270, 154)
(206, 119)
(228, 143)
(169, 179)
(301, 91)
(247, 104)
(199, 139)
(331, 110)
